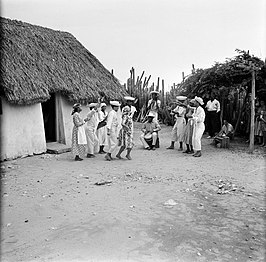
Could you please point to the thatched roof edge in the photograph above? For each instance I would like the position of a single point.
(37, 61)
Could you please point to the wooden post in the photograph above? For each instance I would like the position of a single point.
(252, 115)
(183, 76)
(163, 101)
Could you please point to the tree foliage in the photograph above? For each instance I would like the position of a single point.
(222, 78)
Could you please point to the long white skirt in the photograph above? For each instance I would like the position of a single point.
(178, 129)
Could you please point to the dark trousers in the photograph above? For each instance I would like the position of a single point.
(212, 123)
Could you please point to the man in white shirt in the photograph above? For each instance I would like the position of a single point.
(112, 129)
(212, 116)
(90, 129)
(101, 129)
(150, 128)
(154, 104)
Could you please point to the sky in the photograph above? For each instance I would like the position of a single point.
(161, 37)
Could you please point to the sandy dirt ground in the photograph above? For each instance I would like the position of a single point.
(161, 206)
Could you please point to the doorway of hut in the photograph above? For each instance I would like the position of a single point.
(49, 119)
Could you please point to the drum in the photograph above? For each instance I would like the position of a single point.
(148, 137)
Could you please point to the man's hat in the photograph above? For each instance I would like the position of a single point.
(151, 114)
(181, 98)
(155, 92)
(103, 104)
(199, 100)
(114, 103)
(129, 98)
(92, 105)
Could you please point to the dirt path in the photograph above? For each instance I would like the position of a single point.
(53, 211)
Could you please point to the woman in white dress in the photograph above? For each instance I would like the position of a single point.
(180, 123)
(199, 127)
(78, 134)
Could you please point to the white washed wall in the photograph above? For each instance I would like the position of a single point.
(22, 130)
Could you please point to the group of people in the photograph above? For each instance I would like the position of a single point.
(260, 123)
(189, 125)
(100, 130)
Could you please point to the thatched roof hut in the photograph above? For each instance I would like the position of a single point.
(37, 61)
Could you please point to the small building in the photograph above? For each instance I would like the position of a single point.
(43, 73)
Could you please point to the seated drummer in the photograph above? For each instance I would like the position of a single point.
(226, 131)
(150, 132)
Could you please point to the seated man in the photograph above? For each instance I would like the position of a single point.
(150, 132)
(226, 131)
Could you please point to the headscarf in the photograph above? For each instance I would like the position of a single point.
(126, 109)
(75, 108)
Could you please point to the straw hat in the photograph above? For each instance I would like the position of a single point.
(103, 104)
(181, 98)
(155, 92)
(92, 105)
(199, 100)
(151, 114)
(129, 98)
(114, 103)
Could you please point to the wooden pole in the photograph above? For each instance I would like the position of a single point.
(163, 100)
(252, 115)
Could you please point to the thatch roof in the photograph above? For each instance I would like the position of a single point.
(37, 61)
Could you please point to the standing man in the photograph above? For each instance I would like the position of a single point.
(180, 123)
(199, 127)
(101, 129)
(112, 129)
(154, 104)
(212, 116)
(92, 124)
